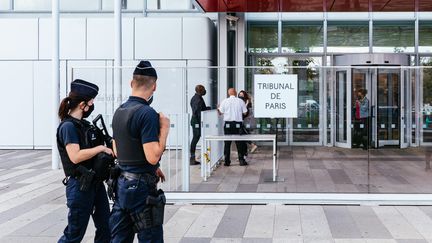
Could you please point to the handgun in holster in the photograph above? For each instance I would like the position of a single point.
(153, 213)
(86, 177)
(157, 204)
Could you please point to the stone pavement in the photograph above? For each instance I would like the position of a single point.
(32, 209)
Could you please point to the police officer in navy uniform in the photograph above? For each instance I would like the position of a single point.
(139, 139)
(79, 144)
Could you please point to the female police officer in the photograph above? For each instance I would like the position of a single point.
(78, 144)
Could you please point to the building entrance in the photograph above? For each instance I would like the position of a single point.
(381, 118)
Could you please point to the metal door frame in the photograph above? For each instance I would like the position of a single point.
(401, 93)
(348, 86)
(373, 61)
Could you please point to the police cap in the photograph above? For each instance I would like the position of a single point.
(145, 68)
(84, 88)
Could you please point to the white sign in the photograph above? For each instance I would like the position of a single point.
(275, 95)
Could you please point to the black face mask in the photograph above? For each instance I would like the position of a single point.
(150, 100)
(241, 97)
(204, 93)
(90, 110)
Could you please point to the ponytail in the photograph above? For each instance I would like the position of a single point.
(64, 108)
(69, 103)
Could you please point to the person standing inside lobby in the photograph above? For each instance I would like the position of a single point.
(197, 104)
(362, 117)
(233, 110)
(248, 119)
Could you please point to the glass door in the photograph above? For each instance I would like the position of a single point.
(386, 113)
(343, 109)
(405, 94)
(362, 116)
(388, 109)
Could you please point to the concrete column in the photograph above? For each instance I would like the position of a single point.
(55, 81)
(117, 53)
(222, 57)
(241, 51)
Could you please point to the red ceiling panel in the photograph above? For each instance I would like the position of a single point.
(263, 6)
(425, 5)
(313, 5)
(347, 5)
(302, 6)
(393, 5)
(209, 5)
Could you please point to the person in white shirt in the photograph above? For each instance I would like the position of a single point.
(233, 110)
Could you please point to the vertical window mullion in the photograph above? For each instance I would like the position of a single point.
(279, 33)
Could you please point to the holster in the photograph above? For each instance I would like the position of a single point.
(152, 215)
(85, 178)
(114, 174)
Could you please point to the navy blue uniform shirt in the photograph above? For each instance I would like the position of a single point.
(68, 133)
(143, 125)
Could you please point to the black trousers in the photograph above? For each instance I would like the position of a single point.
(234, 128)
(196, 131)
(362, 134)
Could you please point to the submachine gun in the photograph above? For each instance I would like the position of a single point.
(105, 165)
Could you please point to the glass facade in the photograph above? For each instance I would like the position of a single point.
(263, 37)
(348, 37)
(330, 147)
(425, 37)
(426, 106)
(393, 37)
(302, 38)
(342, 37)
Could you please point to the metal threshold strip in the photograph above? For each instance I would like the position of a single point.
(298, 198)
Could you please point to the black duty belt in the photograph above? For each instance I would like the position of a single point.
(147, 177)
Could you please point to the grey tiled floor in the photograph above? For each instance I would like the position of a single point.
(32, 209)
(323, 169)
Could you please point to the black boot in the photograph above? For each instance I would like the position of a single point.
(192, 161)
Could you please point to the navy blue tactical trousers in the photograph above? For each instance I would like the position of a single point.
(83, 204)
(131, 199)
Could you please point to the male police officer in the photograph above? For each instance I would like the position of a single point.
(140, 136)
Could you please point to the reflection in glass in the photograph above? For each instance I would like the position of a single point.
(79, 5)
(306, 125)
(33, 4)
(388, 107)
(348, 37)
(4, 4)
(426, 107)
(425, 37)
(393, 37)
(262, 38)
(305, 128)
(302, 38)
(128, 5)
(266, 125)
(168, 4)
(341, 106)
